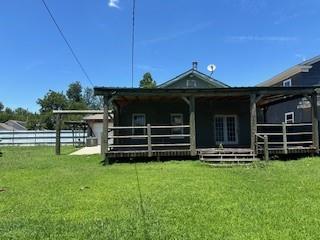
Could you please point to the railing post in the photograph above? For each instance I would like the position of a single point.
(58, 134)
(149, 140)
(315, 123)
(284, 134)
(266, 148)
(192, 130)
(253, 119)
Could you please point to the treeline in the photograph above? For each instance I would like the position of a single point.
(75, 98)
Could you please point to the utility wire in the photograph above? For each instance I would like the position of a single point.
(132, 42)
(68, 43)
(132, 84)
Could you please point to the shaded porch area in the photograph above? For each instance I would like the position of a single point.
(182, 122)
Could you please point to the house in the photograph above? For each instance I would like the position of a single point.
(295, 110)
(5, 127)
(17, 125)
(196, 115)
(13, 125)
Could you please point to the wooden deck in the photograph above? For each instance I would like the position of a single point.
(144, 153)
(162, 141)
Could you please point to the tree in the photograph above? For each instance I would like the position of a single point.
(147, 81)
(51, 101)
(1, 106)
(74, 93)
(93, 102)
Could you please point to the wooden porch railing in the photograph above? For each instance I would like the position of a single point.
(151, 138)
(283, 137)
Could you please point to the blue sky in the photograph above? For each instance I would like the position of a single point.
(248, 40)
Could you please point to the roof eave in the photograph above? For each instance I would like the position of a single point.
(285, 75)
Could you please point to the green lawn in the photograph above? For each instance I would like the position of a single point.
(72, 197)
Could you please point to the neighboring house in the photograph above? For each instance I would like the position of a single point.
(5, 127)
(13, 125)
(188, 114)
(296, 110)
(17, 125)
(95, 125)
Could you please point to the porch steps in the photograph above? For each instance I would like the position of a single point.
(227, 157)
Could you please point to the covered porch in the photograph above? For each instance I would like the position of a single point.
(182, 122)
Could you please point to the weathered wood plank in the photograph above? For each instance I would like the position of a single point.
(253, 119)
(315, 122)
(58, 134)
(192, 124)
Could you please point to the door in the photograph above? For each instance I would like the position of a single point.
(225, 129)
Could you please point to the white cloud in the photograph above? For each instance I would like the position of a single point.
(262, 38)
(113, 3)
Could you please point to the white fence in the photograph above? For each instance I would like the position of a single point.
(48, 137)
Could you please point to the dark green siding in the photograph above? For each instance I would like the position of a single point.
(158, 113)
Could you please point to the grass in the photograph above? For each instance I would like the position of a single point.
(72, 197)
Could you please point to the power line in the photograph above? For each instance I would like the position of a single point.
(132, 42)
(68, 43)
(132, 83)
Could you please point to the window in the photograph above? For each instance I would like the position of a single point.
(286, 83)
(225, 127)
(176, 119)
(138, 119)
(191, 83)
(289, 117)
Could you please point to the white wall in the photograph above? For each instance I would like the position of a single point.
(97, 128)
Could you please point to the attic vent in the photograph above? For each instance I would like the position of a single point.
(191, 83)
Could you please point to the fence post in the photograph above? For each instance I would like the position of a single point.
(284, 134)
(149, 140)
(12, 137)
(266, 148)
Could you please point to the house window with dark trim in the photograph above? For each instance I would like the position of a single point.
(176, 119)
(287, 83)
(191, 83)
(289, 117)
(138, 120)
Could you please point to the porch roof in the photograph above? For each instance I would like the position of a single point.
(266, 92)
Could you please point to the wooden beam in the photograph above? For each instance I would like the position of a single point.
(253, 119)
(192, 120)
(315, 122)
(104, 135)
(186, 100)
(70, 112)
(58, 134)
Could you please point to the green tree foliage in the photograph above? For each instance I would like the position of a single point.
(147, 81)
(51, 101)
(93, 102)
(76, 98)
(74, 93)
(19, 114)
(1, 106)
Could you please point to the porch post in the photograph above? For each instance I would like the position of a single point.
(192, 123)
(104, 135)
(315, 122)
(253, 119)
(58, 134)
